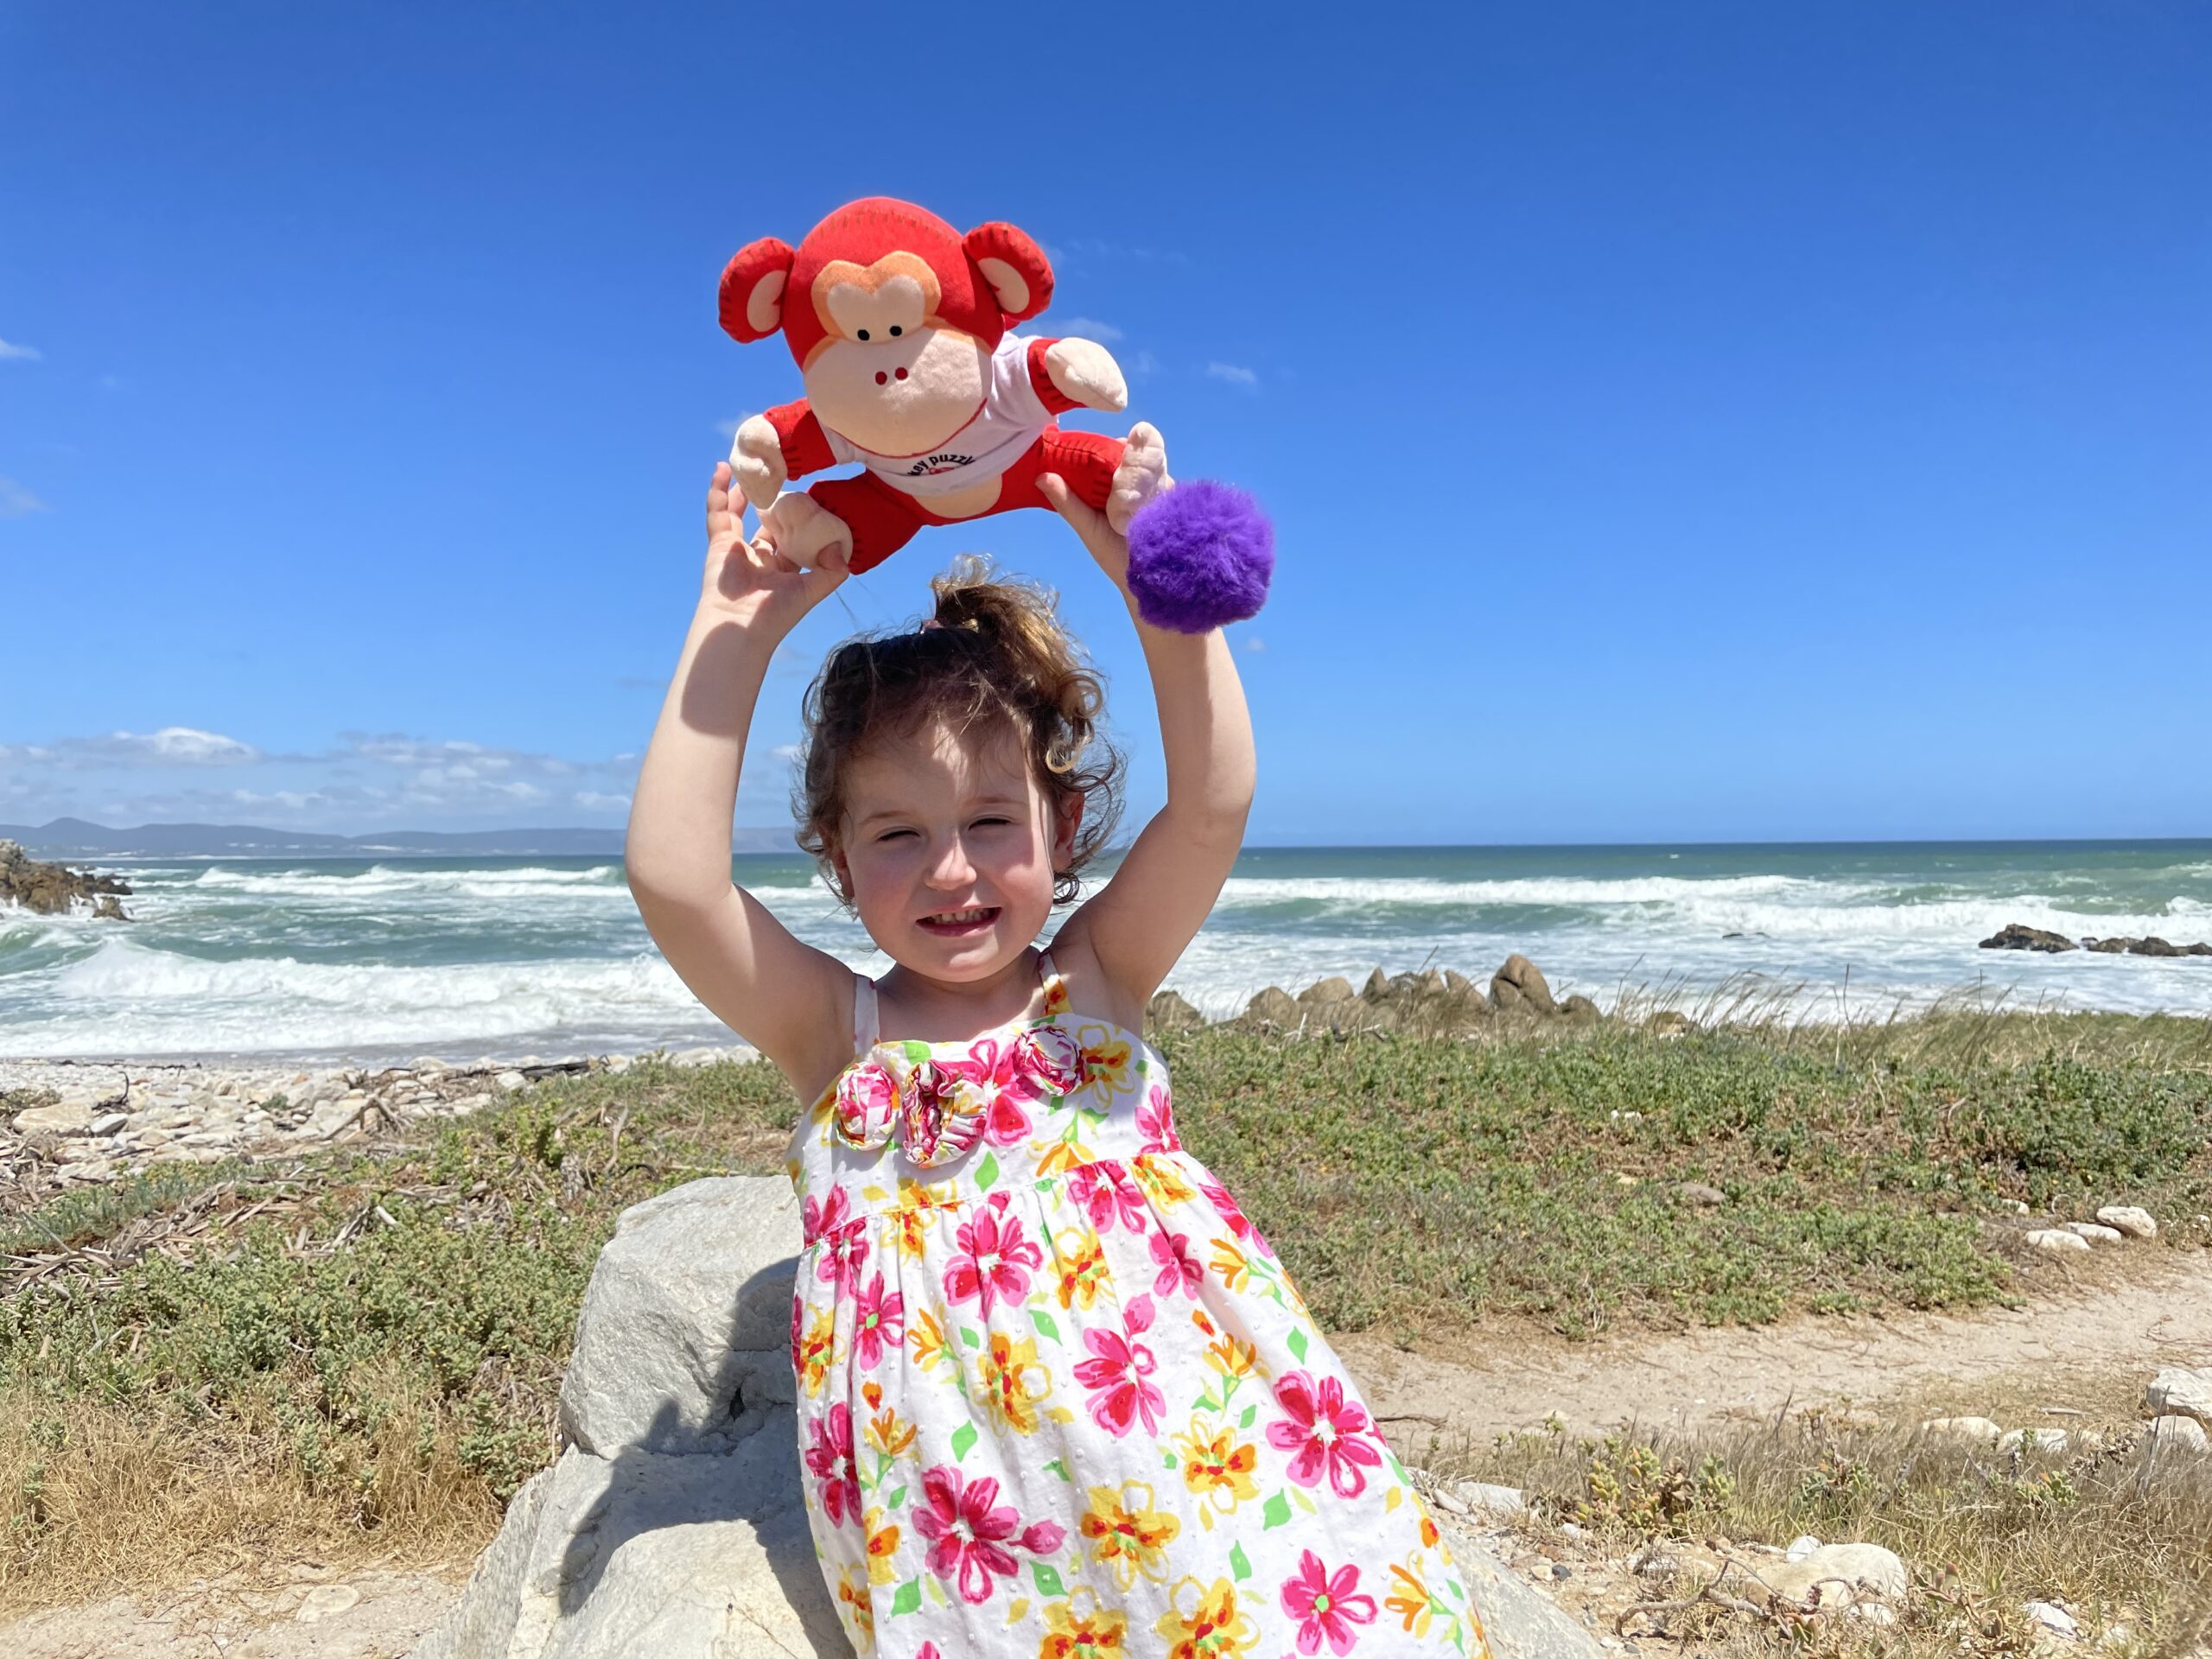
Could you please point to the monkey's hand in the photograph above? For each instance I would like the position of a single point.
(1086, 371)
(1141, 475)
(756, 458)
(807, 533)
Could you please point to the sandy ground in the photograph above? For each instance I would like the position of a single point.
(2160, 1315)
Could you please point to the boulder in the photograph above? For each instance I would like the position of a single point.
(1324, 992)
(1670, 1022)
(1817, 1578)
(64, 1117)
(1377, 988)
(1519, 1620)
(2110, 947)
(2016, 936)
(672, 1524)
(1520, 985)
(53, 890)
(2155, 946)
(1273, 1007)
(2177, 1437)
(2057, 1241)
(1970, 1431)
(2096, 1232)
(2128, 1219)
(2177, 1393)
(2054, 1440)
(1580, 1009)
(1170, 1011)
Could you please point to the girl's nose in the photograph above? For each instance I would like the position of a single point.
(952, 867)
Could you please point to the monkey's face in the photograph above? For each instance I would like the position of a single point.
(888, 375)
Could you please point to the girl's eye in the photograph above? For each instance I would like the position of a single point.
(981, 822)
(893, 835)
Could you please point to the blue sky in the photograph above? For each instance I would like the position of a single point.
(1704, 422)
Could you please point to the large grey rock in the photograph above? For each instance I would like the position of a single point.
(672, 1525)
(2177, 1393)
(1520, 984)
(1521, 1621)
(1832, 1575)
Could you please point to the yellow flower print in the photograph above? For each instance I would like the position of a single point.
(888, 1435)
(925, 1340)
(1159, 1180)
(1058, 1157)
(1127, 1535)
(852, 1593)
(1013, 1381)
(1082, 1266)
(916, 1204)
(1207, 1624)
(1079, 1628)
(814, 1348)
(882, 1545)
(1229, 1264)
(1218, 1467)
(1056, 995)
(1105, 1063)
(1409, 1600)
(1231, 1357)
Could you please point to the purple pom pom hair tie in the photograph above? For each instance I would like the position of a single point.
(1201, 555)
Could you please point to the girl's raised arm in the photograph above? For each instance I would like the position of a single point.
(737, 958)
(1137, 924)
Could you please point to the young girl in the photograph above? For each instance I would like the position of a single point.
(1057, 1397)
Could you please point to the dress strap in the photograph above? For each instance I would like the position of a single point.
(1045, 972)
(864, 1013)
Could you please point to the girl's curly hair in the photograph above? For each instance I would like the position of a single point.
(992, 654)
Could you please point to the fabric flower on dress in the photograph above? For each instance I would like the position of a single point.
(1117, 1372)
(1326, 1605)
(1326, 1432)
(831, 1460)
(994, 1262)
(1127, 1535)
(939, 1115)
(866, 1105)
(1050, 1056)
(972, 1534)
(1178, 1268)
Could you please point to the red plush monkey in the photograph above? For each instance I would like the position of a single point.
(900, 325)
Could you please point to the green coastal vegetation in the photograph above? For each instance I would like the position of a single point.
(362, 1347)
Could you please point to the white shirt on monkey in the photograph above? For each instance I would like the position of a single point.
(1012, 418)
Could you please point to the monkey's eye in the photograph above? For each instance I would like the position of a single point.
(896, 331)
(863, 334)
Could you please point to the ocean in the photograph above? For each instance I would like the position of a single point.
(396, 958)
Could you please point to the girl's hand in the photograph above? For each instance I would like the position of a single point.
(749, 579)
(1141, 475)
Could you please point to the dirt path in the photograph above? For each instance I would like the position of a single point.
(2161, 1316)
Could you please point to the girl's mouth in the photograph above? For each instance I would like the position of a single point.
(960, 923)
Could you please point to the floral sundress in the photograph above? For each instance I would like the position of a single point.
(1055, 1396)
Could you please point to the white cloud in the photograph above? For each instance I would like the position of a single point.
(592, 800)
(18, 354)
(172, 746)
(1146, 363)
(728, 427)
(1235, 374)
(16, 502)
(1090, 328)
(1253, 642)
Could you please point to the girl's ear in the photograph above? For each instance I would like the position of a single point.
(1067, 823)
(844, 872)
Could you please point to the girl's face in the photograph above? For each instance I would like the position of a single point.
(948, 847)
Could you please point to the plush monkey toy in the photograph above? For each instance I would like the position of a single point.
(900, 329)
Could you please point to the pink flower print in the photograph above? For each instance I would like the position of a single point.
(940, 1111)
(1326, 1431)
(1178, 1267)
(1327, 1606)
(1237, 1221)
(816, 1218)
(995, 1260)
(868, 1105)
(798, 1324)
(830, 1459)
(1156, 1122)
(843, 1255)
(1116, 1372)
(880, 1322)
(1051, 1057)
(999, 1087)
(1104, 1191)
(969, 1531)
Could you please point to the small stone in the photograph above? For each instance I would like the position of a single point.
(2013, 1206)
(1616, 1116)
(1699, 1193)
(2177, 1393)
(2178, 1434)
(326, 1601)
(2126, 1218)
(1978, 1430)
(1811, 1581)
(2096, 1232)
(2054, 1619)
(107, 1123)
(1800, 1549)
(2057, 1241)
(2056, 1440)
(1499, 1500)
(618, 1064)
(1568, 1529)
(1562, 1572)
(511, 1080)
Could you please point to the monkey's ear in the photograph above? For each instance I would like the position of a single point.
(753, 289)
(1015, 267)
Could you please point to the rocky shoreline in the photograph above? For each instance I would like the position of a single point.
(2018, 936)
(56, 890)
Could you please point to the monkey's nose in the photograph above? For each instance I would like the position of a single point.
(902, 374)
(882, 378)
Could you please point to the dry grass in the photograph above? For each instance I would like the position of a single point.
(2123, 1543)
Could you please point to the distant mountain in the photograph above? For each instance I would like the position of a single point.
(76, 838)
